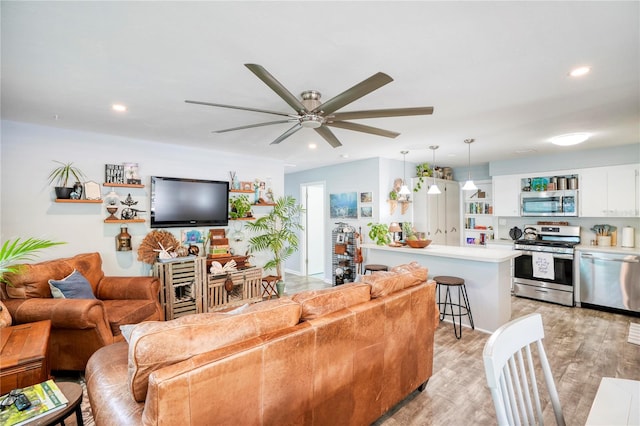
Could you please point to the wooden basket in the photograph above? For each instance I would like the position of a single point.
(246, 289)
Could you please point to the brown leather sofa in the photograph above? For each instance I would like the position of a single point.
(79, 327)
(343, 355)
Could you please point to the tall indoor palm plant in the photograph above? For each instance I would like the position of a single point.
(277, 232)
(18, 250)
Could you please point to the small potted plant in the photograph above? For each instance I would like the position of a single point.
(240, 207)
(422, 170)
(61, 175)
(379, 233)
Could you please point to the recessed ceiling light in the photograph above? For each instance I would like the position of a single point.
(580, 71)
(344, 155)
(312, 145)
(570, 139)
(119, 107)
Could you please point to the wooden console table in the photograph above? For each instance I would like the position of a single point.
(24, 355)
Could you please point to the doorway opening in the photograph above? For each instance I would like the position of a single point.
(313, 244)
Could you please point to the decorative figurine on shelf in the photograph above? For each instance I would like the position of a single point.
(111, 201)
(128, 212)
(269, 196)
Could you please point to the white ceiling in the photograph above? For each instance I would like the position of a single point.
(493, 71)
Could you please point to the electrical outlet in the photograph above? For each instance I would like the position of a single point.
(502, 222)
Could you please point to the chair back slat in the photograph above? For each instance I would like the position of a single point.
(511, 373)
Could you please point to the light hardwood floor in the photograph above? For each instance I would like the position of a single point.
(583, 345)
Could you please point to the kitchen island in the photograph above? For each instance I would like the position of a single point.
(487, 275)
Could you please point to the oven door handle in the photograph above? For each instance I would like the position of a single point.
(555, 255)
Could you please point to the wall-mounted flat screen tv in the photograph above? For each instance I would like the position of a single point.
(180, 202)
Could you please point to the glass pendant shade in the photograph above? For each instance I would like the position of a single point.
(469, 186)
(404, 190)
(434, 190)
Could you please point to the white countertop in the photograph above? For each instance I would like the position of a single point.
(616, 250)
(478, 254)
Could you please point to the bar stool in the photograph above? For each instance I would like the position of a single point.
(464, 309)
(374, 268)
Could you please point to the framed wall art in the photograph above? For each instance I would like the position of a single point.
(366, 197)
(366, 211)
(343, 205)
(92, 190)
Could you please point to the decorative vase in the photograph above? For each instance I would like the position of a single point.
(77, 188)
(280, 288)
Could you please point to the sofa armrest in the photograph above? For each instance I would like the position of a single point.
(123, 288)
(78, 314)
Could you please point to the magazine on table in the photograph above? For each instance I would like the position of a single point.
(45, 398)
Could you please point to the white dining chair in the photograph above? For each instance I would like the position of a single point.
(509, 365)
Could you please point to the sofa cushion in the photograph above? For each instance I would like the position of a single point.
(120, 312)
(73, 286)
(316, 303)
(198, 333)
(399, 277)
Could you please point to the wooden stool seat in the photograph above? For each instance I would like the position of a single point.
(375, 267)
(464, 308)
(269, 286)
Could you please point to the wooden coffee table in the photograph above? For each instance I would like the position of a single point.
(24, 355)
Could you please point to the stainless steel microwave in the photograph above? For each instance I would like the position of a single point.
(549, 203)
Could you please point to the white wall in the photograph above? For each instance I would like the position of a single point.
(27, 200)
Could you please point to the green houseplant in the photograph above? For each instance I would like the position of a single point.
(17, 250)
(422, 170)
(240, 206)
(277, 232)
(379, 233)
(60, 177)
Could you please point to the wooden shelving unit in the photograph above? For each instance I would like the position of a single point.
(264, 204)
(124, 221)
(243, 191)
(64, 200)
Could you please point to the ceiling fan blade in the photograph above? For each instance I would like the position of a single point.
(378, 113)
(239, 107)
(251, 126)
(362, 128)
(328, 136)
(365, 87)
(287, 134)
(277, 87)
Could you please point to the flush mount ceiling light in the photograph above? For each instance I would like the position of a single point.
(469, 185)
(404, 189)
(570, 139)
(433, 189)
(580, 71)
(312, 145)
(119, 107)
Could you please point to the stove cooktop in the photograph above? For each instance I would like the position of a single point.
(564, 244)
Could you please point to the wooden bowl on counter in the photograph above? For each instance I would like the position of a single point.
(418, 243)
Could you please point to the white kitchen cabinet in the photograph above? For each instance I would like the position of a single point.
(438, 215)
(506, 195)
(609, 191)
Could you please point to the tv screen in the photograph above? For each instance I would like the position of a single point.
(179, 202)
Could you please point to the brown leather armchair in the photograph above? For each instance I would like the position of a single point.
(79, 327)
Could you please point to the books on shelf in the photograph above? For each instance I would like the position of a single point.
(45, 398)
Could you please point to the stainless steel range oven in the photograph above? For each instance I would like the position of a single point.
(545, 270)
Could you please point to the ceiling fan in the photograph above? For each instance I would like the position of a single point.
(310, 112)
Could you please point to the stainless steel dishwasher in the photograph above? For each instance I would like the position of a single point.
(610, 280)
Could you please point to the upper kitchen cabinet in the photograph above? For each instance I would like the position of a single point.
(438, 215)
(506, 195)
(609, 191)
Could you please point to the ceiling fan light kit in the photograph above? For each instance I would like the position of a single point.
(312, 113)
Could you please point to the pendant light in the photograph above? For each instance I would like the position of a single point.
(433, 189)
(404, 189)
(469, 185)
